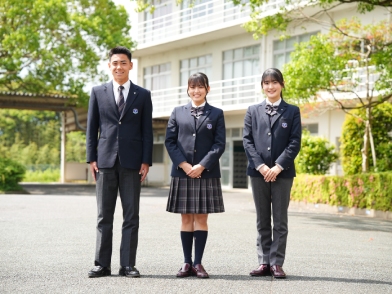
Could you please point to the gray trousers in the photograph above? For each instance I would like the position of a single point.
(271, 241)
(110, 181)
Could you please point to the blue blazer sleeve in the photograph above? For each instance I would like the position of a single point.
(176, 154)
(147, 130)
(254, 158)
(93, 122)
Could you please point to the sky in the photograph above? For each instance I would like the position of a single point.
(130, 7)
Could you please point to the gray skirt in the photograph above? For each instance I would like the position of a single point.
(195, 196)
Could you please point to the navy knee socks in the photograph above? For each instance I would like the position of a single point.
(200, 244)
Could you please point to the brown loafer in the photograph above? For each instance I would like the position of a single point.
(262, 270)
(185, 271)
(277, 272)
(200, 271)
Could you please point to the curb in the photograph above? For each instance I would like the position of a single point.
(353, 211)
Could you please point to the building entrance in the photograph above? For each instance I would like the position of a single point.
(240, 179)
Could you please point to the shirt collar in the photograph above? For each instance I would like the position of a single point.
(126, 86)
(275, 103)
(193, 105)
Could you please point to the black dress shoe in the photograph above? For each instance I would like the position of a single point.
(261, 271)
(99, 271)
(129, 271)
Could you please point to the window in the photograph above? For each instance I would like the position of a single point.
(312, 128)
(283, 49)
(157, 77)
(241, 62)
(238, 64)
(195, 14)
(192, 65)
(156, 22)
(157, 153)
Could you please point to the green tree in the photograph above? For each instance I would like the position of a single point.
(350, 66)
(316, 155)
(352, 139)
(26, 126)
(292, 12)
(56, 46)
(11, 173)
(76, 147)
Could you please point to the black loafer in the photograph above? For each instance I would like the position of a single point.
(129, 271)
(99, 271)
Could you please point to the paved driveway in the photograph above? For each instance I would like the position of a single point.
(47, 246)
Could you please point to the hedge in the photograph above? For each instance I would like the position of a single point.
(11, 173)
(368, 190)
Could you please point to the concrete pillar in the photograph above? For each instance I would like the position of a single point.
(62, 149)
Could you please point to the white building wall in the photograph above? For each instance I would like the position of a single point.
(215, 43)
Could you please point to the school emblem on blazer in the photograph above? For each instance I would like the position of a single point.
(284, 125)
(135, 111)
(209, 126)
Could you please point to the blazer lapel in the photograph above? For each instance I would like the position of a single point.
(263, 114)
(110, 94)
(281, 109)
(202, 118)
(190, 118)
(132, 94)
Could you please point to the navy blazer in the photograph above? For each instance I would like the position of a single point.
(201, 142)
(275, 142)
(129, 135)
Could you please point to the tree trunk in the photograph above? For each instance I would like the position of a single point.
(365, 149)
(372, 148)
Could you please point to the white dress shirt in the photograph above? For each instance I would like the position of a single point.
(125, 91)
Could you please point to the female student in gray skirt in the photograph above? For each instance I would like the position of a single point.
(195, 140)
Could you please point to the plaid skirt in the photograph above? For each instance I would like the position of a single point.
(195, 196)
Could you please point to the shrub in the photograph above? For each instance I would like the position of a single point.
(11, 173)
(46, 176)
(352, 140)
(367, 190)
(316, 155)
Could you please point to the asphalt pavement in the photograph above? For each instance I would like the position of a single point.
(47, 241)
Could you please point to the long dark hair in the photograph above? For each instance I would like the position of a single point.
(198, 79)
(275, 75)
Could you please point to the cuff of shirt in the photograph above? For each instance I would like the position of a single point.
(260, 166)
(279, 166)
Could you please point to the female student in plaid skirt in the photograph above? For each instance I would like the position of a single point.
(195, 140)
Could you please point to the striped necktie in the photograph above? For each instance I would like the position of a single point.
(121, 101)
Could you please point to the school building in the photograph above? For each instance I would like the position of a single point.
(178, 40)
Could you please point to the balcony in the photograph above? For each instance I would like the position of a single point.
(200, 19)
(229, 95)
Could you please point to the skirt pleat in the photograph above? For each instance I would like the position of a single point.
(195, 196)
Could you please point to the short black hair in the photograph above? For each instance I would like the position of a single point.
(120, 50)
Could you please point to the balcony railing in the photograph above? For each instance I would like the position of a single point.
(358, 79)
(232, 94)
(204, 17)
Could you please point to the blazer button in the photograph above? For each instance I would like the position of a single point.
(119, 122)
(269, 149)
(195, 150)
(269, 134)
(194, 135)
